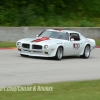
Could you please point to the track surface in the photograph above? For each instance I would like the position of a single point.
(17, 70)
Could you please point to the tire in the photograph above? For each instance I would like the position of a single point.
(86, 52)
(59, 53)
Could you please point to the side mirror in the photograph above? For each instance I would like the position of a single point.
(37, 35)
(72, 39)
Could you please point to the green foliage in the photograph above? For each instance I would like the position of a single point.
(45, 12)
(85, 23)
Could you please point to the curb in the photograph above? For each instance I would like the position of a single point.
(13, 48)
(97, 46)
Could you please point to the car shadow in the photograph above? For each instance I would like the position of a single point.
(34, 57)
(71, 57)
(52, 58)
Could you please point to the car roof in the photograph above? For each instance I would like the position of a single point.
(63, 30)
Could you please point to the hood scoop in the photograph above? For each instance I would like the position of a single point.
(40, 39)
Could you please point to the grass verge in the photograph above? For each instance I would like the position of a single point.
(83, 90)
(13, 44)
(97, 42)
(7, 44)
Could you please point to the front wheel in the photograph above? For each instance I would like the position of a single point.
(59, 53)
(86, 52)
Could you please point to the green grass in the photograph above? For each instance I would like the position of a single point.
(13, 44)
(83, 90)
(98, 42)
(7, 44)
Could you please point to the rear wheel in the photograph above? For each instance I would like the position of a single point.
(59, 53)
(86, 52)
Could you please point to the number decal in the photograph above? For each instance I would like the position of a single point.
(76, 45)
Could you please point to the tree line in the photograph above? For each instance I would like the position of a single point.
(33, 12)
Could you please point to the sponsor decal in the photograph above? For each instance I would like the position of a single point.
(40, 39)
(76, 45)
(86, 41)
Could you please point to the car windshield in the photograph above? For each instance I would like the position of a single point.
(54, 34)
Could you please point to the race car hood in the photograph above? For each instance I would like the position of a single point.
(41, 40)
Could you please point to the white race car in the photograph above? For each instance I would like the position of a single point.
(56, 43)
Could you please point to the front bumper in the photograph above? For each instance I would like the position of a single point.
(36, 52)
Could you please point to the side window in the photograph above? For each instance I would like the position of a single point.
(75, 36)
(64, 36)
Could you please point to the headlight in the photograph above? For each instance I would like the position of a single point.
(19, 44)
(46, 47)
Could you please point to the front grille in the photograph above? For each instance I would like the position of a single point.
(26, 45)
(36, 47)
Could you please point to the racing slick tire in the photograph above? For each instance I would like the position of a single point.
(59, 53)
(86, 53)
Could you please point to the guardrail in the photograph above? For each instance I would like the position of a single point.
(16, 33)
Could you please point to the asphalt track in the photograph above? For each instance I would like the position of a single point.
(17, 70)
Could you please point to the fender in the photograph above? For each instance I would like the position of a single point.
(58, 45)
(86, 43)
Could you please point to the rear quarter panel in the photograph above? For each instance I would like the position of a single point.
(92, 43)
